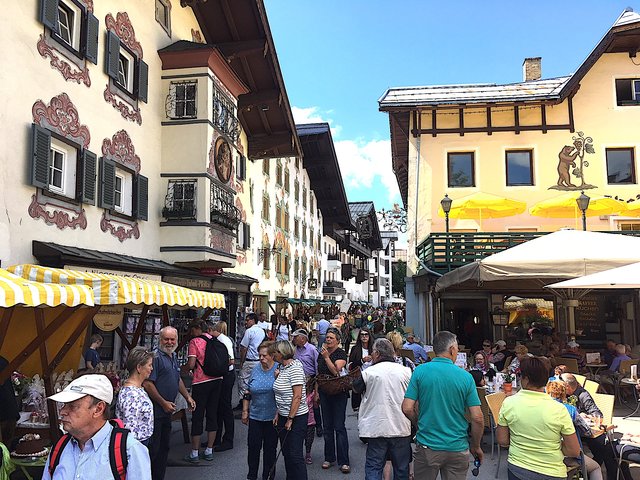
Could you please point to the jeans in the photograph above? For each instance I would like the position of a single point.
(318, 416)
(334, 410)
(321, 338)
(225, 411)
(206, 396)
(398, 449)
(261, 436)
(292, 443)
(159, 446)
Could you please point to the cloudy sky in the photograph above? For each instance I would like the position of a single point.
(339, 56)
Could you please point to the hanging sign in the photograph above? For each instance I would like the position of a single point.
(109, 317)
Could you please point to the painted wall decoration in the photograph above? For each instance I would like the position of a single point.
(118, 227)
(222, 161)
(120, 149)
(221, 241)
(60, 214)
(196, 36)
(69, 71)
(571, 161)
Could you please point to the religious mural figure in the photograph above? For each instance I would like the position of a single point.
(567, 158)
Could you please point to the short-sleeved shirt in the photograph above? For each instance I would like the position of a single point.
(197, 347)
(263, 400)
(135, 409)
(536, 424)
(308, 356)
(323, 326)
(290, 376)
(166, 378)
(418, 350)
(444, 391)
(251, 340)
(229, 344)
(92, 356)
(338, 354)
(282, 332)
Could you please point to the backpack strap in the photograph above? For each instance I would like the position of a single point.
(118, 450)
(56, 452)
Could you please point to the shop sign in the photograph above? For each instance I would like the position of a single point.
(140, 276)
(109, 317)
(193, 283)
(211, 271)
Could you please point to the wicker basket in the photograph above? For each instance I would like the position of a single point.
(331, 385)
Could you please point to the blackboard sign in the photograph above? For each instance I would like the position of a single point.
(589, 317)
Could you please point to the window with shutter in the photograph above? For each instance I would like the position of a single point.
(141, 197)
(163, 15)
(247, 236)
(107, 183)
(40, 159)
(72, 26)
(88, 190)
(128, 72)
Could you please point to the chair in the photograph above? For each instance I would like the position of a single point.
(494, 401)
(431, 354)
(507, 362)
(484, 406)
(625, 367)
(591, 387)
(580, 378)
(605, 404)
(570, 363)
(408, 353)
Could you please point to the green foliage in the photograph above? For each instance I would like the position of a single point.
(399, 272)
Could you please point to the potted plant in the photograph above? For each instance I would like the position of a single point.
(508, 382)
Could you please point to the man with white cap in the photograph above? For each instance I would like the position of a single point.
(83, 416)
(500, 354)
(572, 351)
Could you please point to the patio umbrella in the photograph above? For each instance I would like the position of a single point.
(483, 205)
(627, 276)
(565, 206)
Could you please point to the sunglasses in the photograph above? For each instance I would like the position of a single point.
(364, 334)
(485, 345)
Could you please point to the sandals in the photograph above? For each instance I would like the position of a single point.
(345, 469)
(326, 465)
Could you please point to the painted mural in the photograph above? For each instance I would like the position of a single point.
(571, 161)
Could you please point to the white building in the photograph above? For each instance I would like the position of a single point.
(381, 269)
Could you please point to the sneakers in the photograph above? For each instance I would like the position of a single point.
(188, 458)
(206, 456)
(308, 460)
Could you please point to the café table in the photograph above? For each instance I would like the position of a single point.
(636, 395)
(595, 368)
(23, 463)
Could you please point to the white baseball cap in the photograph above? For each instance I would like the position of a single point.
(573, 344)
(96, 385)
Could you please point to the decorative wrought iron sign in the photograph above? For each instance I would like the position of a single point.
(364, 226)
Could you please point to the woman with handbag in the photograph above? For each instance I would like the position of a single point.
(332, 361)
(360, 357)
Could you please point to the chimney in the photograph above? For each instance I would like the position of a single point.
(532, 69)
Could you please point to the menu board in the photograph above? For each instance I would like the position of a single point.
(590, 319)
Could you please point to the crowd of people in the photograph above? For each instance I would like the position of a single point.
(419, 417)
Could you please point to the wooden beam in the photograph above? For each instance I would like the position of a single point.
(543, 117)
(123, 337)
(268, 142)
(206, 313)
(140, 326)
(82, 326)
(434, 121)
(489, 127)
(240, 49)
(48, 384)
(36, 342)
(165, 316)
(571, 124)
(415, 131)
(523, 128)
(42, 347)
(262, 97)
(4, 324)
(516, 119)
(461, 120)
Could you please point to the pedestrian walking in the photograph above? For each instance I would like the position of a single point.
(224, 436)
(163, 386)
(360, 358)
(291, 415)
(87, 450)
(332, 361)
(134, 406)
(253, 337)
(258, 411)
(437, 398)
(308, 356)
(381, 422)
(206, 393)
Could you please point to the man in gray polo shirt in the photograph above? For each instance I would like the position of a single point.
(253, 337)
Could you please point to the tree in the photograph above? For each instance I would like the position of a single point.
(399, 270)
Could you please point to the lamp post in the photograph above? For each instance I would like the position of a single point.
(446, 208)
(583, 204)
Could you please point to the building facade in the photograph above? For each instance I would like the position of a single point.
(529, 141)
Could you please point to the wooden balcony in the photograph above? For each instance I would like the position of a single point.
(443, 252)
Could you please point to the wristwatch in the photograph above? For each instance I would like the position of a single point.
(290, 418)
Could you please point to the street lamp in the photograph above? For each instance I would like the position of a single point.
(446, 208)
(583, 204)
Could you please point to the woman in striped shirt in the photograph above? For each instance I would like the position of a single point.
(292, 413)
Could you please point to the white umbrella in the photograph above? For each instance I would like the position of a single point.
(627, 276)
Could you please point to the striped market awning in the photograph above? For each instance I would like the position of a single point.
(16, 291)
(119, 290)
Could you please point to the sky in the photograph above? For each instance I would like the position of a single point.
(339, 56)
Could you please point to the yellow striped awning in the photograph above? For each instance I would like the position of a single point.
(15, 290)
(117, 290)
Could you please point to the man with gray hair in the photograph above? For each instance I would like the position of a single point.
(438, 395)
(380, 420)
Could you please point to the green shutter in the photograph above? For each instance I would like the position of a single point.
(141, 197)
(107, 183)
(40, 156)
(112, 55)
(143, 81)
(49, 14)
(247, 236)
(91, 38)
(87, 193)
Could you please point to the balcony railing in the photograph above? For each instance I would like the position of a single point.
(348, 271)
(443, 252)
(361, 275)
(333, 256)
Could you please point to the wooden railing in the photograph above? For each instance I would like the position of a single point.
(443, 252)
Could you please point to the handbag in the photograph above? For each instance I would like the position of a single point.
(331, 385)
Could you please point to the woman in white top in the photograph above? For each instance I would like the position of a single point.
(282, 329)
(291, 416)
(134, 406)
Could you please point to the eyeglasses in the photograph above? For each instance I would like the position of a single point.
(486, 345)
(364, 334)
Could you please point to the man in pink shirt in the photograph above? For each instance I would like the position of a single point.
(205, 391)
